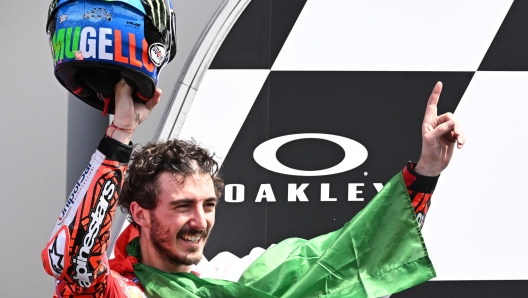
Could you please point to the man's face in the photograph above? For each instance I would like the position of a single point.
(184, 217)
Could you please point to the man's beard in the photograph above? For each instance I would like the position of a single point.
(162, 241)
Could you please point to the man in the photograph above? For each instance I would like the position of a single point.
(171, 194)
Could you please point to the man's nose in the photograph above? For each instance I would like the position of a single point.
(198, 220)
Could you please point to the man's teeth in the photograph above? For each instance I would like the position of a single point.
(192, 239)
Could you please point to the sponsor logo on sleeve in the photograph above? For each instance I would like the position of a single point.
(78, 192)
(83, 274)
(56, 253)
(74, 194)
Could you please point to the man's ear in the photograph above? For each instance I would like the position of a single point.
(140, 215)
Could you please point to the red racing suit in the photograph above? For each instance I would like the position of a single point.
(76, 253)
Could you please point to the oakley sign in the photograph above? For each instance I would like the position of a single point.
(266, 154)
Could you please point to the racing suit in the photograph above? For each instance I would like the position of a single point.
(76, 253)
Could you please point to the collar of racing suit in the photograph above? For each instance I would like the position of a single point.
(123, 262)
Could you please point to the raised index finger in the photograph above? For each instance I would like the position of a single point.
(431, 110)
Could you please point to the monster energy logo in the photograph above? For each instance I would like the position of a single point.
(159, 11)
(52, 6)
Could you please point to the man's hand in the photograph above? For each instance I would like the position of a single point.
(128, 113)
(439, 136)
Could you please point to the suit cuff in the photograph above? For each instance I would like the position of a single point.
(115, 150)
(417, 182)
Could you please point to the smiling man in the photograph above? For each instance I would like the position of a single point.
(171, 193)
(173, 199)
(179, 228)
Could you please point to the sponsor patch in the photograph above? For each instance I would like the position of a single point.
(63, 18)
(83, 274)
(98, 13)
(133, 24)
(74, 194)
(78, 192)
(56, 253)
(158, 54)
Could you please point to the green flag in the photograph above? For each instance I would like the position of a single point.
(379, 252)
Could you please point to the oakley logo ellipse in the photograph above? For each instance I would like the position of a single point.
(266, 154)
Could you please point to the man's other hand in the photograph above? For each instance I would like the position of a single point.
(128, 113)
(439, 136)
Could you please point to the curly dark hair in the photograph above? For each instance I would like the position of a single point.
(183, 158)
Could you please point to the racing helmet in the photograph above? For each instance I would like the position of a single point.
(96, 42)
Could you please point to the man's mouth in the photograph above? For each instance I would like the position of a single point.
(193, 239)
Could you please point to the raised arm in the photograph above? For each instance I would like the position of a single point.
(439, 136)
(380, 251)
(76, 252)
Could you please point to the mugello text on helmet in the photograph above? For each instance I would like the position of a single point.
(85, 43)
